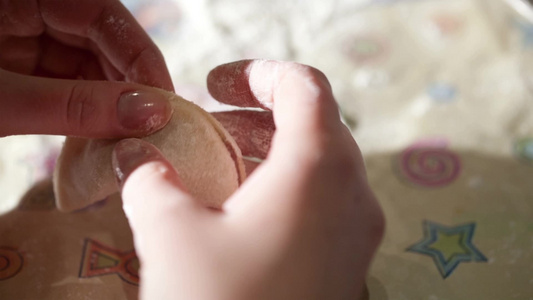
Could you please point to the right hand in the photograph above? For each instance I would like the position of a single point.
(304, 225)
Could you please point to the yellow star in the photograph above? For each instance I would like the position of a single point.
(449, 245)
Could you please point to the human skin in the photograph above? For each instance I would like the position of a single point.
(304, 225)
(49, 45)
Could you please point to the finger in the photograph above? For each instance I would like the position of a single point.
(19, 54)
(118, 35)
(252, 130)
(20, 18)
(250, 165)
(229, 84)
(58, 60)
(73, 41)
(43, 56)
(313, 155)
(95, 109)
(154, 199)
(305, 110)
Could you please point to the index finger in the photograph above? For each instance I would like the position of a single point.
(300, 96)
(116, 33)
(314, 159)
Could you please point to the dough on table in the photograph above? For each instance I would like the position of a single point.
(202, 151)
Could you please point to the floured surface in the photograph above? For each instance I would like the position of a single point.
(84, 255)
(437, 94)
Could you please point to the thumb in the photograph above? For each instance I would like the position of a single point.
(93, 109)
(156, 203)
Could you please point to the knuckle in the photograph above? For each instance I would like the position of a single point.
(104, 16)
(365, 218)
(336, 157)
(80, 108)
(333, 155)
(376, 223)
(341, 165)
(334, 168)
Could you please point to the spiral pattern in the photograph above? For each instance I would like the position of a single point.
(429, 165)
(11, 262)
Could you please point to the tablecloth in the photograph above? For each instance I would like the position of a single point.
(437, 93)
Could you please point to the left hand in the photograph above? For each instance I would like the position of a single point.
(64, 41)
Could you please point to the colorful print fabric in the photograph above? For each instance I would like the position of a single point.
(438, 94)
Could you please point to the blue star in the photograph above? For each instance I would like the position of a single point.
(448, 246)
(442, 92)
(524, 149)
(527, 33)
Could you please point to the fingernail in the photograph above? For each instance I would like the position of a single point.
(143, 111)
(129, 154)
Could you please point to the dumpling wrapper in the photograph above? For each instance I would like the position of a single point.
(206, 157)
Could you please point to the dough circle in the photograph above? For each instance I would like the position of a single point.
(202, 151)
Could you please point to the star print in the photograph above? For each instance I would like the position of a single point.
(524, 149)
(527, 34)
(448, 246)
(442, 92)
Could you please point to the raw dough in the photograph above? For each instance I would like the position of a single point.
(204, 154)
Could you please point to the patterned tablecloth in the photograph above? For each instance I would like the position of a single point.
(438, 95)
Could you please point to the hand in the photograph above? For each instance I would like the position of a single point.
(64, 41)
(304, 225)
